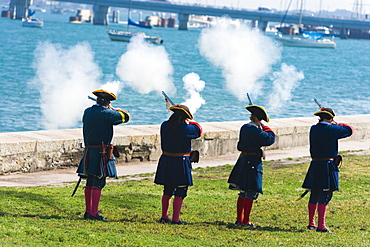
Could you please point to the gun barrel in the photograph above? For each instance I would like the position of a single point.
(317, 102)
(92, 98)
(250, 101)
(167, 98)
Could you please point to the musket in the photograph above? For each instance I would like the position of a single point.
(249, 98)
(92, 98)
(78, 184)
(169, 102)
(320, 106)
(167, 99)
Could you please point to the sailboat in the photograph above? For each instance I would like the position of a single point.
(31, 21)
(126, 36)
(305, 38)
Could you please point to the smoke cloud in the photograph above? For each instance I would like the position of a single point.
(64, 78)
(244, 55)
(146, 67)
(193, 85)
(284, 83)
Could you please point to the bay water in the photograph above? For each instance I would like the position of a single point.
(339, 78)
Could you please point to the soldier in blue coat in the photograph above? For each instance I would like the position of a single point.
(174, 166)
(246, 175)
(322, 176)
(98, 160)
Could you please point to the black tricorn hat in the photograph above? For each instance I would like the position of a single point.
(100, 93)
(182, 109)
(325, 113)
(258, 111)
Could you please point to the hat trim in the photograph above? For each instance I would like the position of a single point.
(179, 108)
(323, 112)
(260, 107)
(103, 91)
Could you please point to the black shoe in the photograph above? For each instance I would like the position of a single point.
(98, 217)
(177, 222)
(324, 230)
(244, 224)
(165, 221)
(311, 227)
(249, 225)
(238, 223)
(87, 216)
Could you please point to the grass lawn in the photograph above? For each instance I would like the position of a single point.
(49, 216)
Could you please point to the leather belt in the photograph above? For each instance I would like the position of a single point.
(98, 146)
(243, 154)
(175, 154)
(322, 159)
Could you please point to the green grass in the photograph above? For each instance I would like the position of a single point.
(44, 216)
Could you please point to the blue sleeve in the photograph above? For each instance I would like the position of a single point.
(340, 131)
(118, 117)
(192, 131)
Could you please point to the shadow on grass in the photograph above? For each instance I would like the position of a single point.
(47, 217)
(33, 200)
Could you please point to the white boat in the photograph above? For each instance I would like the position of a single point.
(301, 41)
(32, 22)
(305, 38)
(125, 36)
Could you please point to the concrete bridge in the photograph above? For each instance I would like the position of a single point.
(101, 8)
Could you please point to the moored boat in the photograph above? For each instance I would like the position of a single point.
(301, 41)
(125, 36)
(32, 22)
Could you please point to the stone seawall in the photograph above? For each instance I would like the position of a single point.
(46, 150)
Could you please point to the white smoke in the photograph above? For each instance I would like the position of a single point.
(112, 87)
(244, 55)
(146, 67)
(284, 83)
(64, 77)
(193, 85)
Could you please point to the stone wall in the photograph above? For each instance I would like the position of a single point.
(45, 150)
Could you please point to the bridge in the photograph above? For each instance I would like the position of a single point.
(19, 9)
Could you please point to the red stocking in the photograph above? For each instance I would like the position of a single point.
(248, 203)
(321, 210)
(177, 204)
(165, 206)
(311, 214)
(239, 209)
(96, 193)
(87, 193)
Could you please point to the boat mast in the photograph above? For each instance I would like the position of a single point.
(300, 14)
(128, 16)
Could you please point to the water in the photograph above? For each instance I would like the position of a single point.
(338, 78)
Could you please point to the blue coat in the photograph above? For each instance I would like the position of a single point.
(97, 129)
(324, 174)
(247, 172)
(176, 171)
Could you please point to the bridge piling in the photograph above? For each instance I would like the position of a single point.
(183, 21)
(19, 8)
(100, 14)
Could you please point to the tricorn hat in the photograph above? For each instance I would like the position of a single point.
(326, 113)
(100, 93)
(258, 111)
(182, 109)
